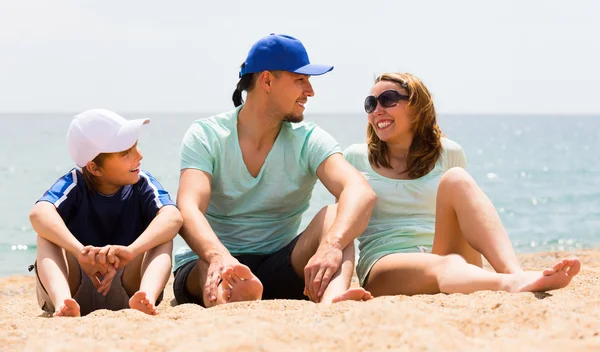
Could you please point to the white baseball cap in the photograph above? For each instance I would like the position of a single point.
(100, 131)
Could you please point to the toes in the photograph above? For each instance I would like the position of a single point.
(548, 272)
(558, 266)
(227, 281)
(242, 272)
(235, 278)
(568, 264)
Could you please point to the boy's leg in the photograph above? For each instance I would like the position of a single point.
(59, 279)
(145, 278)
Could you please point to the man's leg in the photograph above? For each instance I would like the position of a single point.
(238, 284)
(306, 247)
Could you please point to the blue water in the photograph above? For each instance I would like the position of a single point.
(539, 171)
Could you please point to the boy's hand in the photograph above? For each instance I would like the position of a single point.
(100, 274)
(111, 255)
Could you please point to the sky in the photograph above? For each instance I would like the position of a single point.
(476, 57)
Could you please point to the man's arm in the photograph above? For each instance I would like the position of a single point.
(356, 200)
(193, 197)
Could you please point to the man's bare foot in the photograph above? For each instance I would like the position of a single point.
(353, 294)
(239, 284)
(70, 308)
(140, 301)
(559, 276)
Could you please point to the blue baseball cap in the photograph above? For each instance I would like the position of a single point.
(282, 53)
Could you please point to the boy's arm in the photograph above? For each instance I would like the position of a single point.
(49, 225)
(163, 228)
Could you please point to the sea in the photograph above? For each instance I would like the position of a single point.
(541, 172)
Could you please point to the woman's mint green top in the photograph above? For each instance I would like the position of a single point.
(404, 214)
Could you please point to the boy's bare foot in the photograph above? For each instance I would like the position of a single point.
(140, 302)
(559, 276)
(239, 284)
(353, 294)
(70, 308)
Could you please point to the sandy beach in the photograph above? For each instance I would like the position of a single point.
(562, 320)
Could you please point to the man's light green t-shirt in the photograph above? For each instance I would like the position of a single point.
(404, 215)
(254, 215)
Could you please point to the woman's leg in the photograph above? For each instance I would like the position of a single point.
(467, 224)
(424, 273)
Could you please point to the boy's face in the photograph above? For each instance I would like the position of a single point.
(122, 168)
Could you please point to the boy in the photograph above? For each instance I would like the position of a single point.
(105, 229)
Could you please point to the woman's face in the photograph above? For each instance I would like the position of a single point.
(391, 122)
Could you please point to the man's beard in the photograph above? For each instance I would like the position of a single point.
(293, 118)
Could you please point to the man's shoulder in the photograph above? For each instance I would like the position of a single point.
(300, 127)
(307, 130)
(222, 122)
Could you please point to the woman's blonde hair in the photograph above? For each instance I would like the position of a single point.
(426, 146)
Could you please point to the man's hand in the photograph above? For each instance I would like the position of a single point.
(320, 269)
(216, 267)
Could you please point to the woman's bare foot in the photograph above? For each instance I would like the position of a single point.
(559, 276)
(140, 301)
(239, 284)
(353, 294)
(70, 308)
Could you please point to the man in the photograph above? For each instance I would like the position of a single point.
(246, 179)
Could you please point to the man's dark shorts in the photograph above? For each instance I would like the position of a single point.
(275, 271)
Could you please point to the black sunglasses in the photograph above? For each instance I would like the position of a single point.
(387, 99)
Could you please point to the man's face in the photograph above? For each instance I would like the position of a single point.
(289, 93)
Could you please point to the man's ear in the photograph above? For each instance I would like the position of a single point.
(265, 80)
(93, 168)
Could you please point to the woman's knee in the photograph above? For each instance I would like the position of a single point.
(456, 178)
(446, 264)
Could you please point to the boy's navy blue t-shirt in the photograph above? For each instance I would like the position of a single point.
(99, 220)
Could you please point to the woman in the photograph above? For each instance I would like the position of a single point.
(431, 223)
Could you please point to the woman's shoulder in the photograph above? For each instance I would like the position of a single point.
(357, 154)
(450, 145)
(356, 149)
(452, 154)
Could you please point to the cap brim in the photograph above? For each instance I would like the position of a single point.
(126, 137)
(313, 70)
